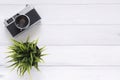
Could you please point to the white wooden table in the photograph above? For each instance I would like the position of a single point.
(82, 39)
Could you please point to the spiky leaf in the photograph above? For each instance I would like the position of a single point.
(25, 55)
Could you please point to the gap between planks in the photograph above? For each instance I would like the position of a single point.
(73, 66)
(66, 4)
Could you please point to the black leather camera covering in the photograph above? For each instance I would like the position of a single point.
(33, 15)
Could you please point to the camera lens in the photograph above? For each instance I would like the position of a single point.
(22, 22)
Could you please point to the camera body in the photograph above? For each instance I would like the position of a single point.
(22, 20)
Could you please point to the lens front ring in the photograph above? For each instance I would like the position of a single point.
(22, 22)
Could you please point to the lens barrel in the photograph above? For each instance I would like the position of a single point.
(22, 21)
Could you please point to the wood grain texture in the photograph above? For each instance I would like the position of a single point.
(68, 35)
(66, 73)
(69, 14)
(70, 25)
(58, 1)
(82, 39)
(76, 56)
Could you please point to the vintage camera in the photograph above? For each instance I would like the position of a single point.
(22, 20)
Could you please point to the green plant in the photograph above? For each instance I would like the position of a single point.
(25, 55)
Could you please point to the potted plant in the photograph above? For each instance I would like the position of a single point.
(25, 55)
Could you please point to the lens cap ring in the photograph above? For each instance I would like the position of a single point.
(22, 22)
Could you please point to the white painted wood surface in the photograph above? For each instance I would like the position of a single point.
(66, 73)
(76, 55)
(70, 25)
(69, 35)
(82, 39)
(59, 2)
(70, 14)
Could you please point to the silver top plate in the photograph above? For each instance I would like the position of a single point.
(22, 12)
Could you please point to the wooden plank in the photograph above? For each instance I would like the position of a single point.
(70, 14)
(76, 56)
(66, 73)
(57, 1)
(75, 35)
